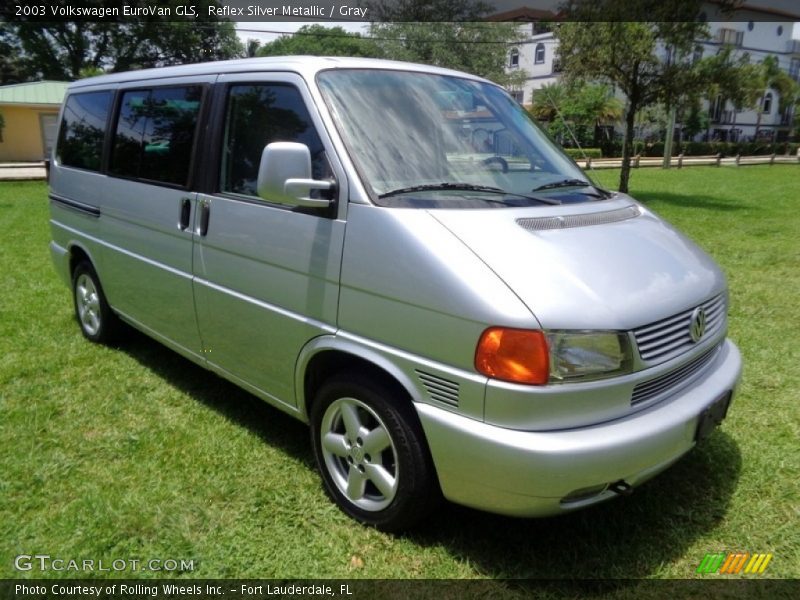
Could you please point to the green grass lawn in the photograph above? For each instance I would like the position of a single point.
(134, 452)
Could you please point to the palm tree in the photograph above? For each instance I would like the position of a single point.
(575, 107)
(775, 79)
(548, 101)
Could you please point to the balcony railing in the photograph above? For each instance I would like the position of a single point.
(730, 37)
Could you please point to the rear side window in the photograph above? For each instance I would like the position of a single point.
(83, 129)
(260, 114)
(155, 134)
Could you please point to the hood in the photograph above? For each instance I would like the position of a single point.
(611, 264)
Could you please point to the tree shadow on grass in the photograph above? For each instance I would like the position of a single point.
(653, 199)
(624, 538)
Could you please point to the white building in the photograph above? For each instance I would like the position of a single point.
(537, 56)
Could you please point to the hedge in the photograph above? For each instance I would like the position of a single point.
(614, 150)
(579, 153)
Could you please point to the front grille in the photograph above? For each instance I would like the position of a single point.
(670, 337)
(650, 389)
(439, 388)
(564, 222)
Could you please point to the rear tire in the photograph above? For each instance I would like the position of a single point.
(371, 453)
(97, 321)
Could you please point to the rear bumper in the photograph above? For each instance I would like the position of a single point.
(538, 473)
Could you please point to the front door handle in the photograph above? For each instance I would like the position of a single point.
(205, 213)
(185, 213)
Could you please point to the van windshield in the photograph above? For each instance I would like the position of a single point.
(434, 141)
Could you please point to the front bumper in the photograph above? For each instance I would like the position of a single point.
(525, 473)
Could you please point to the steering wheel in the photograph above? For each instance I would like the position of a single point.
(496, 160)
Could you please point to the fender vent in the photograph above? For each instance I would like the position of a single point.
(566, 221)
(439, 389)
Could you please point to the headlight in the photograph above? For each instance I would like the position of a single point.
(538, 357)
(587, 355)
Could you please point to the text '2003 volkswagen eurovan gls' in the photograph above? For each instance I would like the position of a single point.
(396, 255)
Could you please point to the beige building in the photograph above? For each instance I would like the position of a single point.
(29, 119)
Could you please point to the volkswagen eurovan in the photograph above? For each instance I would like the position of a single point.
(396, 255)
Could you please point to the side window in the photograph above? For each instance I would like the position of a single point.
(155, 133)
(83, 129)
(257, 115)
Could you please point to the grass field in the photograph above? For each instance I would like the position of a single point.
(133, 452)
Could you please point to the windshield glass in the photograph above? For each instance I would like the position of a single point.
(428, 140)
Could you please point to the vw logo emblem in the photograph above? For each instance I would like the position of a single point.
(697, 327)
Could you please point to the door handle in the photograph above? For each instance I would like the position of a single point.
(205, 213)
(185, 213)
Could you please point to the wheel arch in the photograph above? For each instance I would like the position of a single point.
(77, 254)
(324, 356)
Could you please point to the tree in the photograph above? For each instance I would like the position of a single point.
(772, 77)
(446, 33)
(11, 69)
(548, 101)
(317, 40)
(251, 48)
(63, 50)
(622, 47)
(478, 48)
(574, 111)
(733, 80)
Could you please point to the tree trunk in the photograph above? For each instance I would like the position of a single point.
(627, 147)
(667, 162)
(759, 112)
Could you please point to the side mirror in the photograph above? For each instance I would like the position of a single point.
(284, 176)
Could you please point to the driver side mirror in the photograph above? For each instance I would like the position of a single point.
(284, 176)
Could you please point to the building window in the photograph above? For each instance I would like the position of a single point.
(698, 54)
(766, 106)
(539, 56)
(513, 58)
(794, 69)
(538, 27)
(750, 26)
(519, 95)
(780, 30)
(715, 109)
(730, 37)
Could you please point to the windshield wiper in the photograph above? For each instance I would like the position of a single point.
(428, 187)
(563, 183)
(600, 193)
(465, 187)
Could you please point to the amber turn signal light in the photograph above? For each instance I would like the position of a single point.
(516, 355)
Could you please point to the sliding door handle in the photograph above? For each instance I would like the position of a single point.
(185, 213)
(205, 213)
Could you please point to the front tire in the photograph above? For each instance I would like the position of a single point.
(371, 453)
(97, 321)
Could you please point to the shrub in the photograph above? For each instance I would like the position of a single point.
(579, 153)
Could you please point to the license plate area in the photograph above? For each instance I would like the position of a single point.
(712, 416)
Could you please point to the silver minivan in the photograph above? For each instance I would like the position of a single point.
(398, 256)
